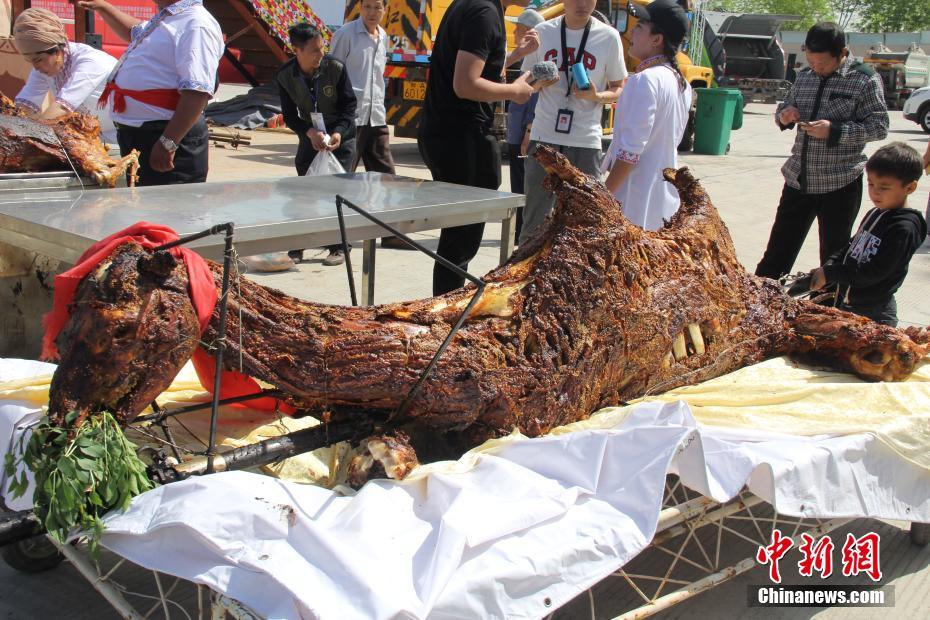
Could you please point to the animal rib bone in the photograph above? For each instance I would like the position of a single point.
(679, 348)
(694, 330)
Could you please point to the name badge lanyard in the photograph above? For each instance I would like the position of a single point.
(316, 118)
(579, 57)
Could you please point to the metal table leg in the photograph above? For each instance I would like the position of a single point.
(368, 272)
(507, 229)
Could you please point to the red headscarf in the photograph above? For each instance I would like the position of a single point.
(202, 291)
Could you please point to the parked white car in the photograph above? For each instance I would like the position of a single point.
(917, 108)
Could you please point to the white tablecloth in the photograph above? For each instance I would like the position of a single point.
(500, 531)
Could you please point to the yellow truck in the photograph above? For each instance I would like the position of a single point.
(411, 24)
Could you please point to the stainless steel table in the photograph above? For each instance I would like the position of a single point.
(48, 181)
(39, 181)
(269, 215)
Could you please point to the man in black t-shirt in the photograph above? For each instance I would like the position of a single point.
(455, 141)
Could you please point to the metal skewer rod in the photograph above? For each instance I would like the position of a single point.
(162, 414)
(220, 344)
(478, 282)
(215, 230)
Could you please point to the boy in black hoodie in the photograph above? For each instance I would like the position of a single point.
(873, 264)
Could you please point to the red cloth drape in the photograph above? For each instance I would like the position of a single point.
(202, 291)
(166, 98)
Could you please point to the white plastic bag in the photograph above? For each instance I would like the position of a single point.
(267, 263)
(324, 163)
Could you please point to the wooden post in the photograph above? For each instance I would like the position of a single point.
(19, 6)
(80, 24)
(266, 38)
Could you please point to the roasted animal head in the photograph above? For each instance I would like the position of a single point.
(132, 328)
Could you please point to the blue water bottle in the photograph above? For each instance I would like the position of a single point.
(580, 76)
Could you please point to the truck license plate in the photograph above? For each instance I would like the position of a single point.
(414, 91)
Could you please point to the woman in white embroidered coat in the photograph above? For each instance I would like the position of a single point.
(651, 115)
(73, 73)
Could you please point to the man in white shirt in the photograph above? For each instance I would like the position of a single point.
(161, 85)
(361, 45)
(568, 118)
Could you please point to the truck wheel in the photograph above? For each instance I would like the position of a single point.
(923, 117)
(920, 534)
(32, 555)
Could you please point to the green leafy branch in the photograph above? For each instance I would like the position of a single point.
(80, 474)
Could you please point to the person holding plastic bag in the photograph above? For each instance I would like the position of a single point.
(318, 104)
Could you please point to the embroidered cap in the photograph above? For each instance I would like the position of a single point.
(528, 18)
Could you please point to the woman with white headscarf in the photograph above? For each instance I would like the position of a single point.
(651, 115)
(73, 73)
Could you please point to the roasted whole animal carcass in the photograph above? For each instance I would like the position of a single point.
(31, 145)
(592, 312)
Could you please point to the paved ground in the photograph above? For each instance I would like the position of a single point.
(744, 186)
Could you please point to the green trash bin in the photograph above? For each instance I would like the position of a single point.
(719, 110)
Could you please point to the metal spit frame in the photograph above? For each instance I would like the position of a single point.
(305, 440)
(17, 526)
(23, 524)
(694, 533)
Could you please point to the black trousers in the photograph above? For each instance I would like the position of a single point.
(469, 156)
(835, 212)
(191, 160)
(306, 154)
(517, 180)
(373, 148)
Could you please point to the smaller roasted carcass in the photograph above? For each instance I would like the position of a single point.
(73, 140)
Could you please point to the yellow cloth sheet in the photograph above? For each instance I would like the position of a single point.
(238, 426)
(782, 396)
(778, 395)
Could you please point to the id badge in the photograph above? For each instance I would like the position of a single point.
(317, 119)
(563, 121)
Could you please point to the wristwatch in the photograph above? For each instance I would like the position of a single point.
(170, 145)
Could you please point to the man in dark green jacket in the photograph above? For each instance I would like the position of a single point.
(318, 104)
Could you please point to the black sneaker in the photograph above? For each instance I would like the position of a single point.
(336, 257)
(296, 255)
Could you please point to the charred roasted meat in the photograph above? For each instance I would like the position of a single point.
(132, 328)
(30, 145)
(592, 312)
